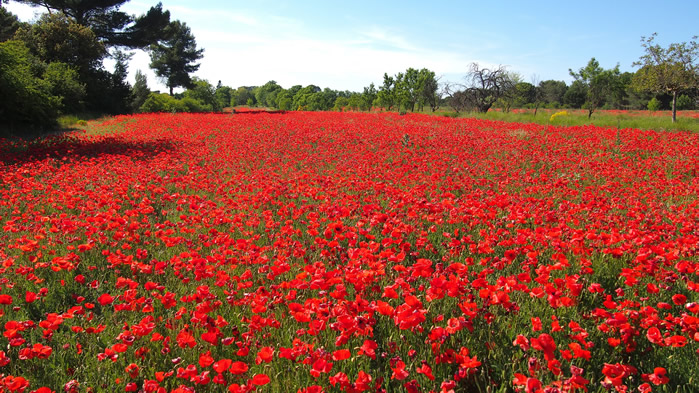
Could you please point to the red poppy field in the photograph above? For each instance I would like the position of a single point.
(329, 252)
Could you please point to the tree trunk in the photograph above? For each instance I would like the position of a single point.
(170, 91)
(589, 114)
(674, 106)
(536, 108)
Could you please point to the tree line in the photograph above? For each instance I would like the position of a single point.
(55, 66)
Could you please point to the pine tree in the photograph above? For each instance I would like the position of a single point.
(8, 24)
(111, 26)
(140, 91)
(174, 58)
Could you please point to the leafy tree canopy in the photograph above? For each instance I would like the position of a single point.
(667, 70)
(55, 37)
(112, 26)
(8, 24)
(599, 83)
(27, 98)
(139, 92)
(174, 59)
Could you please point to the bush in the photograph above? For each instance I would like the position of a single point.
(156, 103)
(166, 103)
(192, 105)
(684, 102)
(653, 104)
(63, 82)
(561, 114)
(202, 97)
(26, 98)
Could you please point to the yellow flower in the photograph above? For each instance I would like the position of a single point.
(558, 114)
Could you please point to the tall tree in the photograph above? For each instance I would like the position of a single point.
(26, 98)
(140, 91)
(120, 90)
(266, 95)
(575, 95)
(538, 94)
(174, 59)
(284, 100)
(429, 89)
(241, 96)
(55, 37)
(8, 24)
(64, 84)
(511, 97)
(552, 92)
(58, 38)
(599, 83)
(201, 90)
(308, 98)
(409, 88)
(369, 96)
(667, 70)
(483, 87)
(223, 95)
(523, 94)
(111, 26)
(387, 92)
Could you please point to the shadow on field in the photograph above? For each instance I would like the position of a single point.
(67, 148)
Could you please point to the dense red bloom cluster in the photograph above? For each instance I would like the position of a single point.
(313, 252)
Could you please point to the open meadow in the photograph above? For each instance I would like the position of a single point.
(325, 252)
(644, 120)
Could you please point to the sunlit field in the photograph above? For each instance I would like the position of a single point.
(645, 120)
(325, 252)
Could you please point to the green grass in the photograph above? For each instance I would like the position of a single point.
(575, 118)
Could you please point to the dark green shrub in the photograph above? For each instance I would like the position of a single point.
(63, 82)
(684, 102)
(653, 104)
(26, 98)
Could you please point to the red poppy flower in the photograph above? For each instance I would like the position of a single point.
(545, 344)
(341, 354)
(399, 371)
(185, 339)
(659, 376)
(238, 367)
(368, 348)
(260, 379)
(105, 299)
(425, 370)
(265, 355)
(205, 359)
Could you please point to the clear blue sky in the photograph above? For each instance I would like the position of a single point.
(349, 44)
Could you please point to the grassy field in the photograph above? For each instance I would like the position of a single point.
(644, 120)
(358, 252)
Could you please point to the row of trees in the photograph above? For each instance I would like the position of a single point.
(55, 65)
(203, 96)
(410, 90)
(667, 77)
(593, 87)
